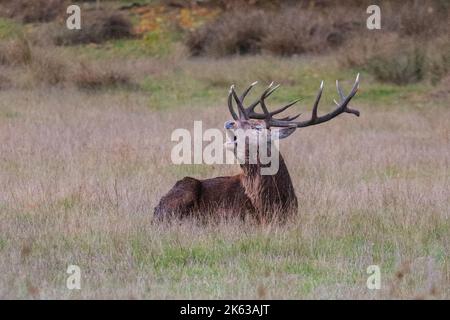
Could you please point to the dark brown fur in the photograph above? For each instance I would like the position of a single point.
(239, 195)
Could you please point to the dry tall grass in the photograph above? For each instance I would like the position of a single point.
(80, 174)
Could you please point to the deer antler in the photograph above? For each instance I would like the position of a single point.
(249, 113)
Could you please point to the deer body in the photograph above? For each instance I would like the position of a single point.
(246, 193)
(265, 196)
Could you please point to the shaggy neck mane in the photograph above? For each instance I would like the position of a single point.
(269, 192)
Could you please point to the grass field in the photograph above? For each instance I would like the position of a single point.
(80, 173)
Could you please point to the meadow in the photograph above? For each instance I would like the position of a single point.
(82, 168)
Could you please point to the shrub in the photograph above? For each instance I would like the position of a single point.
(5, 82)
(439, 59)
(15, 52)
(406, 65)
(291, 30)
(442, 90)
(423, 19)
(48, 67)
(235, 32)
(387, 57)
(89, 76)
(53, 68)
(307, 27)
(391, 58)
(98, 26)
(300, 31)
(34, 11)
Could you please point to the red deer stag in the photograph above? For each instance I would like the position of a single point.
(250, 192)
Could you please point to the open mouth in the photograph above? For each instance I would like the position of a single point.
(231, 138)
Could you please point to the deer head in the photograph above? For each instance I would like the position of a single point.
(265, 124)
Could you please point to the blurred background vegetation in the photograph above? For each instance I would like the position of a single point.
(85, 122)
(412, 46)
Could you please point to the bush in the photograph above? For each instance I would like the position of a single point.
(442, 90)
(89, 76)
(292, 30)
(414, 44)
(439, 59)
(236, 32)
(34, 10)
(98, 27)
(387, 57)
(52, 68)
(391, 58)
(407, 65)
(48, 67)
(301, 31)
(5, 82)
(44, 66)
(15, 52)
(424, 19)
(307, 27)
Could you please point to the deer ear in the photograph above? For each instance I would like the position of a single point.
(282, 133)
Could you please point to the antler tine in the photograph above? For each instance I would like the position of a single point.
(267, 93)
(349, 110)
(316, 103)
(272, 90)
(252, 107)
(230, 105)
(244, 94)
(242, 111)
(249, 112)
(290, 104)
(267, 116)
(339, 90)
(315, 119)
(255, 115)
(345, 100)
(262, 99)
(291, 118)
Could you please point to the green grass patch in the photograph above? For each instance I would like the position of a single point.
(3, 243)
(152, 44)
(178, 90)
(9, 29)
(391, 94)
